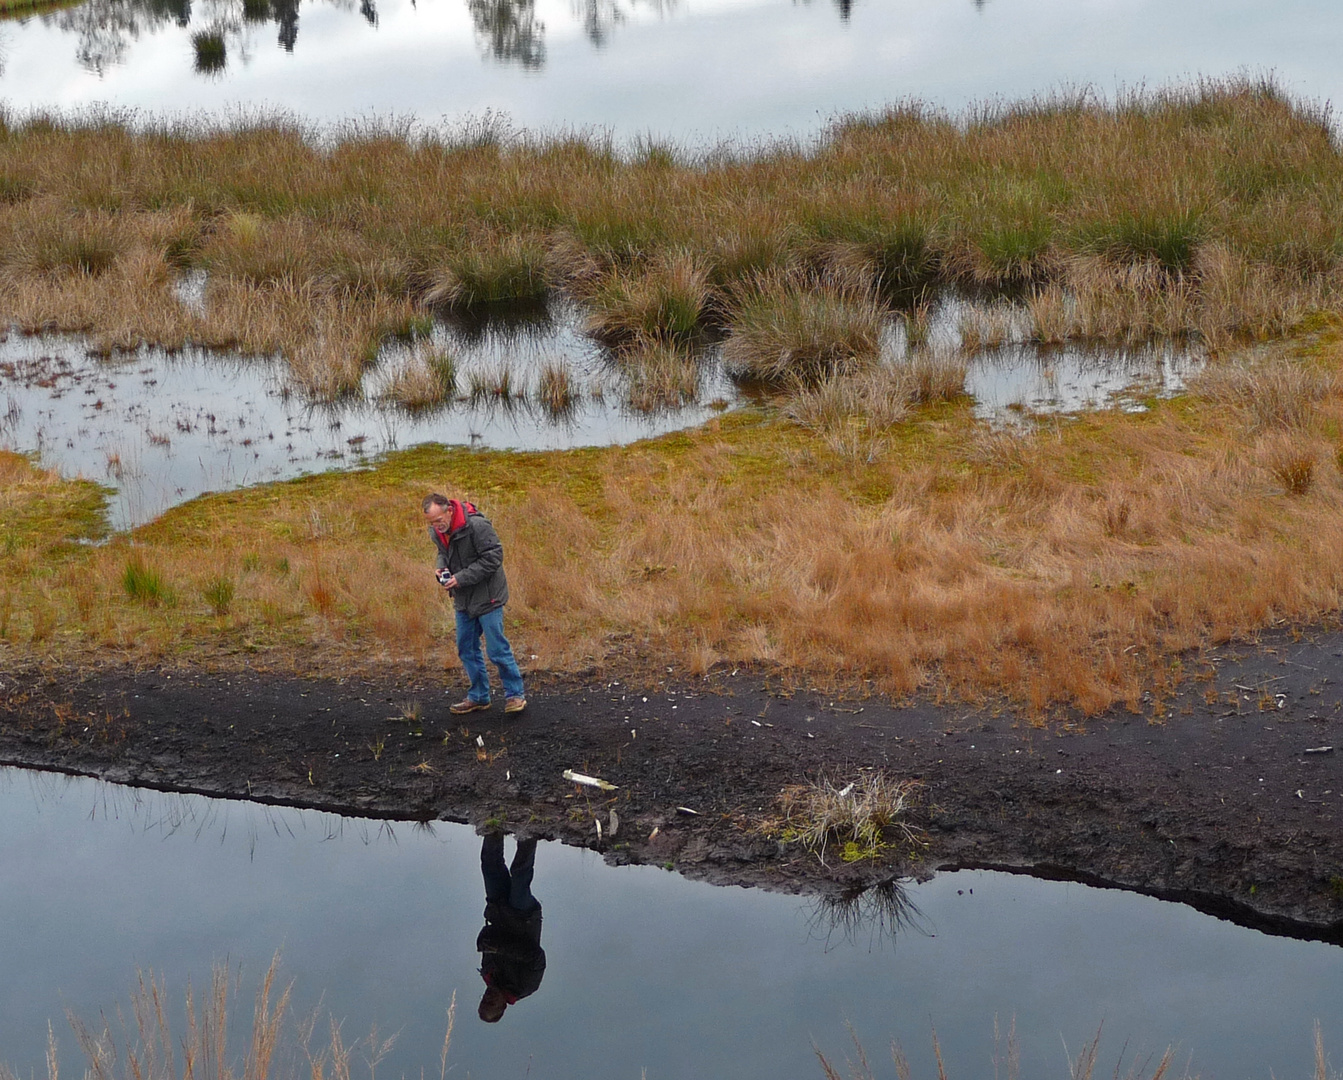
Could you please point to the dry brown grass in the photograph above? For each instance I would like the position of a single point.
(1007, 1057)
(1063, 564)
(144, 1045)
(788, 328)
(425, 377)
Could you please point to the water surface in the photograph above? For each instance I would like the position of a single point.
(162, 428)
(645, 969)
(691, 70)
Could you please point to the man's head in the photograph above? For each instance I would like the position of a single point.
(436, 510)
(492, 1005)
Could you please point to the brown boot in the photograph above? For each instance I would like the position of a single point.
(466, 705)
(514, 704)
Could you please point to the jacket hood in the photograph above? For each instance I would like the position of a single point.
(457, 512)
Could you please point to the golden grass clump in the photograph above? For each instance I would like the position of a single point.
(423, 378)
(988, 326)
(661, 302)
(783, 328)
(1291, 459)
(555, 388)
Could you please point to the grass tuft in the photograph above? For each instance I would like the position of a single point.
(858, 817)
(425, 378)
(211, 51)
(785, 329)
(1291, 460)
(490, 269)
(663, 302)
(555, 388)
(144, 584)
(659, 375)
(218, 593)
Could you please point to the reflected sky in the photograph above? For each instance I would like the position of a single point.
(644, 969)
(687, 69)
(162, 428)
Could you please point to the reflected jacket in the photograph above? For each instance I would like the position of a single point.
(473, 553)
(511, 957)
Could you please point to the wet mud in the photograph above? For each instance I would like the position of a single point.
(1231, 799)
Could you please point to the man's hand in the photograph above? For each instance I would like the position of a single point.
(446, 579)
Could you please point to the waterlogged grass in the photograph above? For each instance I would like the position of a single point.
(887, 536)
(1214, 210)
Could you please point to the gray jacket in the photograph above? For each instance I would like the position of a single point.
(473, 553)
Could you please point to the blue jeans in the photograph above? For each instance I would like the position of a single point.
(511, 886)
(469, 632)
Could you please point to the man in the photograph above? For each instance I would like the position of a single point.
(471, 568)
(512, 961)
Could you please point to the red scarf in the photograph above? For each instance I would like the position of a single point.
(458, 519)
(489, 981)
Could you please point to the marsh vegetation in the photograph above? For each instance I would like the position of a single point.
(1207, 212)
(1058, 562)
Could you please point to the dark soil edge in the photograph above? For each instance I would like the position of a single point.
(1217, 806)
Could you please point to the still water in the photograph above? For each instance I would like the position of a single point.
(160, 428)
(691, 70)
(644, 970)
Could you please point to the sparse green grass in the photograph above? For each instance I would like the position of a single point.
(218, 593)
(144, 584)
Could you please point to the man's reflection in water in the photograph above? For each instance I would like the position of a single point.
(511, 958)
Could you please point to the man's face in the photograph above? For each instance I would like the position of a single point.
(437, 516)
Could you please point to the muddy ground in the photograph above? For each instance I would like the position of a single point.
(1231, 802)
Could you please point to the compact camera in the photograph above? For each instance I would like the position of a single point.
(444, 576)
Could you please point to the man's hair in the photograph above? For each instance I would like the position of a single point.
(434, 500)
(493, 1005)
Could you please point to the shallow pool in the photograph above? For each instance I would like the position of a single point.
(645, 970)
